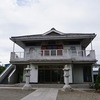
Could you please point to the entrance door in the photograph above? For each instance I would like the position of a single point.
(87, 74)
(47, 76)
(50, 74)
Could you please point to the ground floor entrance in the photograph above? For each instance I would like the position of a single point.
(47, 74)
(50, 74)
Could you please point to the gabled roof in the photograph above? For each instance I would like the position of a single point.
(53, 34)
(53, 30)
(58, 34)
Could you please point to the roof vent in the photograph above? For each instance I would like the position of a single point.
(53, 29)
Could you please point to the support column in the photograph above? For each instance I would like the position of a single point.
(13, 46)
(91, 46)
(92, 74)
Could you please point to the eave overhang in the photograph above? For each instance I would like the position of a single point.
(85, 38)
(54, 62)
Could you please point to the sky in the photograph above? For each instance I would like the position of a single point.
(27, 17)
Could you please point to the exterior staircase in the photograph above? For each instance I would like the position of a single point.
(5, 77)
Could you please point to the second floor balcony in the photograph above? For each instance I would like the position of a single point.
(53, 54)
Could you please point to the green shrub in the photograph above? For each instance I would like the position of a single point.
(97, 82)
(2, 69)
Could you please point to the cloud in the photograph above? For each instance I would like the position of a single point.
(26, 2)
(21, 17)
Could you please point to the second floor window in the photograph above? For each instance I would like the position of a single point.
(51, 50)
(73, 49)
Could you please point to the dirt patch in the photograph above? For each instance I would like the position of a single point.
(78, 95)
(13, 94)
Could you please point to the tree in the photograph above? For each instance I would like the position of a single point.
(97, 83)
(2, 69)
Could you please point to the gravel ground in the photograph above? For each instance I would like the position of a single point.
(78, 95)
(13, 94)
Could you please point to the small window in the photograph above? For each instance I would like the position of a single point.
(73, 49)
(59, 52)
(53, 52)
(46, 53)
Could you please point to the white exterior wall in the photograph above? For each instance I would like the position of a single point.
(77, 74)
(31, 50)
(70, 72)
(34, 73)
(34, 49)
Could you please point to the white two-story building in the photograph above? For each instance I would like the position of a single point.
(47, 54)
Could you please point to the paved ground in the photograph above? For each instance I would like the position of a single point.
(78, 95)
(13, 94)
(46, 85)
(42, 94)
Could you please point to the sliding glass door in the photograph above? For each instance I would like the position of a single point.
(48, 74)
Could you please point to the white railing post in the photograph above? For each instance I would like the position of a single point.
(13, 46)
(56, 52)
(43, 52)
(20, 54)
(50, 52)
(62, 52)
(12, 56)
(77, 52)
(83, 53)
(68, 52)
(92, 54)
